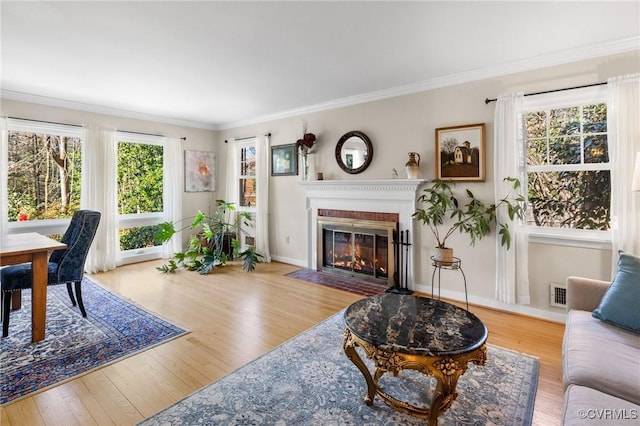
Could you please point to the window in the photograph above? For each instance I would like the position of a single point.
(247, 178)
(140, 192)
(44, 175)
(247, 181)
(568, 169)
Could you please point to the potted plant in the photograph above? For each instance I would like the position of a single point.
(473, 218)
(213, 243)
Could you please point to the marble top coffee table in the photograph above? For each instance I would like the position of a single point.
(402, 332)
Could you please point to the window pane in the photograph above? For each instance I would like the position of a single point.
(136, 238)
(247, 192)
(537, 152)
(248, 161)
(565, 121)
(564, 150)
(44, 176)
(595, 118)
(578, 200)
(596, 149)
(536, 124)
(139, 178)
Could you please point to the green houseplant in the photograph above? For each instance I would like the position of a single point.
(213, 242)
(444, 214)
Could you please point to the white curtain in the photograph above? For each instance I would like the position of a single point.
(4, 169)
(172, 197)
(262, 197)
(512, 269)
(99, 192)
(623, 120)
(231, 194)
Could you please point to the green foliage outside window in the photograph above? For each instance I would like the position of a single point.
(44, 176)
(568, 138)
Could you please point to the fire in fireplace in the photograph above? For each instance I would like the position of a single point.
(357, 247)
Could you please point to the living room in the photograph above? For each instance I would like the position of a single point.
(398, 121)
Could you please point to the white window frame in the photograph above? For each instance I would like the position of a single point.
(42, 226)
(585, 238)
(140, 219)
(252, 210)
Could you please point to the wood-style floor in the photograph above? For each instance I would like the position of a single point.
(234, 317)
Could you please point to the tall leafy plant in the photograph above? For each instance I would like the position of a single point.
(213, 242)
(444, 214)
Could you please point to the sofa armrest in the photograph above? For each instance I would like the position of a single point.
(585, 293)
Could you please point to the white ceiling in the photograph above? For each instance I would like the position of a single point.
(222, 64)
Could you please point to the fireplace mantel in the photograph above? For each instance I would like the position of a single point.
(383, 195)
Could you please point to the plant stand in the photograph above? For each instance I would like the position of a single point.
(454, 265)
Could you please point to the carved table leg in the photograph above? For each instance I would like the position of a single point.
(348, 346)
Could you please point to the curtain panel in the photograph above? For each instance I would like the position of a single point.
(512, 266)
(623, 112)
(172, 198)
(4, 169)
(262, 197)
(99, 193)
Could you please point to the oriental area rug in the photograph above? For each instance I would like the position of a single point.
(308, 380)
(73, 345)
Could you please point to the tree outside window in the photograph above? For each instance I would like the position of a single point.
(568, 167)
(44, 175)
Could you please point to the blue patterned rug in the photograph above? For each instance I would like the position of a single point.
(309, 381)
(113, 329)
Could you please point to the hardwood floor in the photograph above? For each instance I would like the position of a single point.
(234, 317)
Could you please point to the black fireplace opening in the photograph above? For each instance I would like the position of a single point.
(356, 251)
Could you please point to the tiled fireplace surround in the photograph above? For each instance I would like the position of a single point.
(383, 200)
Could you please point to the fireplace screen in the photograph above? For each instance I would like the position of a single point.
(360, 251)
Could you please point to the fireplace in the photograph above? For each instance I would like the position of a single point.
(357, 247)
(394, 200)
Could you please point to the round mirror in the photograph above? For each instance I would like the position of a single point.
(354, 152)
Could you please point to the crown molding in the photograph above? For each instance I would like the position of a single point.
(530, 64)
(541, 61)
(80, 106)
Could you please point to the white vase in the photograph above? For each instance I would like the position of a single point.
(304, 166)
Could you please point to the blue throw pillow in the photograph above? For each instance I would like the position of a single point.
(621, 303)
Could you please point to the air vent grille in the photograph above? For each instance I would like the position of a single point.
(558, 295)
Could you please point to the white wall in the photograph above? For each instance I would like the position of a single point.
(407, 123)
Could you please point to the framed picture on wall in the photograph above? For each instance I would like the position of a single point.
(284, 160)
(460, 153)
(199, 171)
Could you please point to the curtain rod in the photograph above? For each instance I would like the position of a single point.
(184, 138)
(248, 137)
(487, 101)
(46, 122)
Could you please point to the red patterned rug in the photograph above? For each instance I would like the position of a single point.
(352, 285)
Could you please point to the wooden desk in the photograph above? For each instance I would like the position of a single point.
(34, 248)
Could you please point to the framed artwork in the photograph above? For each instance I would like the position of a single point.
(460, 153)
(284, 160)
(199, 171)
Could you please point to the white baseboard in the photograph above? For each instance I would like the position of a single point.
(494, 304)
(296, 262)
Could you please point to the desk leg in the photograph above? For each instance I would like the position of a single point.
(39, 295)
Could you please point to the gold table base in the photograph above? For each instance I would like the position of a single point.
(446, 370)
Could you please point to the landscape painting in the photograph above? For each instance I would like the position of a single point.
(460, 153)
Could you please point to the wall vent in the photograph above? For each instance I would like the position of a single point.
(558, 295)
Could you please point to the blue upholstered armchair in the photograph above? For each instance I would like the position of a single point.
(65, 266)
